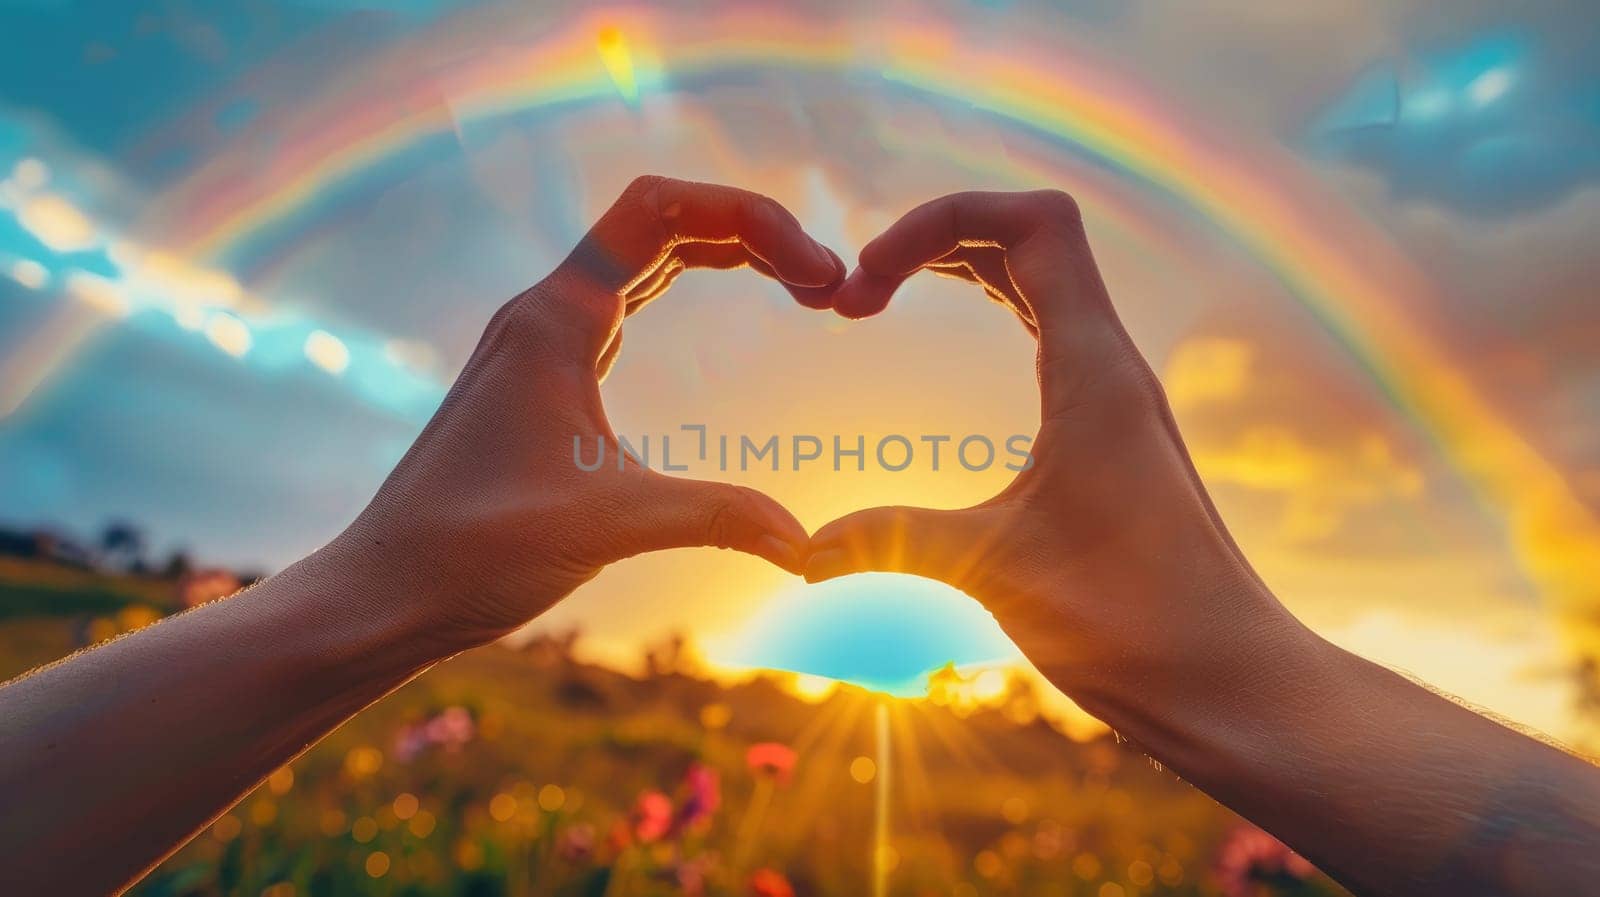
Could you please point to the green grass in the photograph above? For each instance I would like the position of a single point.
(985, 800)
(31, 588)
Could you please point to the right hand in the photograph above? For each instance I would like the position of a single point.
(1104, 561)
(488, 520)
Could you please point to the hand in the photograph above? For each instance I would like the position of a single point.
(488, 520)
(1104, 561)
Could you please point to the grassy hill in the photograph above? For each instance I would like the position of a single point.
(520, 772)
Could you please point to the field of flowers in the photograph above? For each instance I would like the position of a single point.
(524, 771)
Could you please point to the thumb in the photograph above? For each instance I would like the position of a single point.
(685, 513)
(943, 545)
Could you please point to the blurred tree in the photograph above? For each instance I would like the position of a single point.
(122, 545)
(178, 565)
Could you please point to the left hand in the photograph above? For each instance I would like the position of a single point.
(488, 519)
(1104, 561)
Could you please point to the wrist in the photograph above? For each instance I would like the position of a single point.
(1224, 684)
(379, 606)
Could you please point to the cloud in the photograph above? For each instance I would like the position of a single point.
(1252, 425)
(1319, 485)
(1208, 370)
(1515, 305)
(1496, 122)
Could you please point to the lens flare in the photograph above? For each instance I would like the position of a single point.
(614, 55)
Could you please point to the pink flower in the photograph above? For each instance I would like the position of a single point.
(651, 816)
(452, 728)
(770, 758)
(769, 883)
(1250, 855)
(449, 729)
(409, 742)
(704, 796)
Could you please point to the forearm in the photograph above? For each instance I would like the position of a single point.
(1385, 785)
(135, 745)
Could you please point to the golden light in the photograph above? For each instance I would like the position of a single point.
(363, 761)
(863, 770)
(468, 854)
(30, 174)
(364, 829)
(57, 223)
(502, 807)
(189, 317)
(281, 781)
(1014, 810)
(618, 61)
(227, 828)
(1208, 370)
(136, 616)
(179, 281)
(377, 864)
(29, 273)
(229, 334)
(99, 294)
(327, 351)
(813, 689)
(333, 822)
(1171, 871)
(715, 715)
(413, 354)
(422, 824)
(551, 797)
(989, 685)
(263, 812)
(406, 805)
(881, 849)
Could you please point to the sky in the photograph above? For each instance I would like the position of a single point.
(245, 246)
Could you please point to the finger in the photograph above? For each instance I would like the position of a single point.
(926, 234)
(684, 513)
(945, 545)
(630, 242)
(963, 271)
(938, 227)
(989, 264)
(1041, 233)
(986, 267)
(724, 257)
(608, 358)
(717, 256)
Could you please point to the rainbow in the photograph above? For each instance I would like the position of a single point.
(1337, 266)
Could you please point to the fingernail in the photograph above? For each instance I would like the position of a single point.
(822, 270)
(826, 564)
(827, 261)
(779, 552)
(863, 294)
